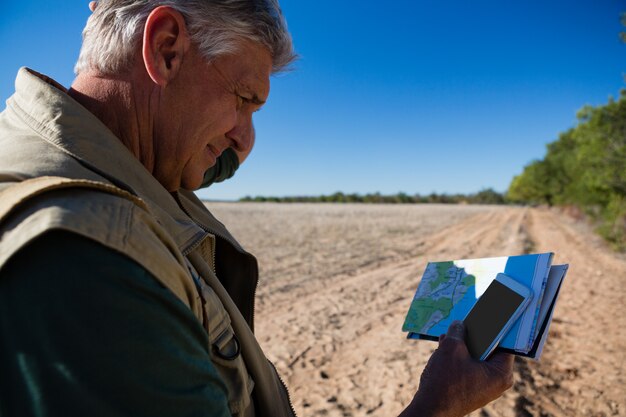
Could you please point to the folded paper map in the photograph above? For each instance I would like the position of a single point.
(448, 290)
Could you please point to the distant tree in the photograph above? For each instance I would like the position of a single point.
(488, 196)
(403, 198)
(532, 186)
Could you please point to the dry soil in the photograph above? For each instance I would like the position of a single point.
(337, 280)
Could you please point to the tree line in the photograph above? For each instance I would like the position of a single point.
(486, 196)
(585, 167)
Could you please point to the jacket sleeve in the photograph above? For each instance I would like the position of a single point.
(85, 331)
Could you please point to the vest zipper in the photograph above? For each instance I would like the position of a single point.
(293, 411)
(195, 245)
(235, 244)
(241, 250)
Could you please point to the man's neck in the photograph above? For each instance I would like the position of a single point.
(118, 103)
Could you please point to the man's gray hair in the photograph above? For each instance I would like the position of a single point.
(114, 30)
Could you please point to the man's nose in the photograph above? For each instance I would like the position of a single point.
(242, 136)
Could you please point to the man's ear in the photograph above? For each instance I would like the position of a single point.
(165, 41)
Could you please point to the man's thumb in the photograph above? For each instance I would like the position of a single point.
(456, 330)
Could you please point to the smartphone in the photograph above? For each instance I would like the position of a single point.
(493, 315)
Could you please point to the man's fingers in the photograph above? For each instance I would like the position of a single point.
(456, 330)
(501, 366)
(501, 360)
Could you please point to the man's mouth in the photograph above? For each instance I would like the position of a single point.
(216, 152)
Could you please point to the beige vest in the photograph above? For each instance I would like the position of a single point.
(61, 168)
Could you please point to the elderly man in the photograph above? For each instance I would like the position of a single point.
(120, 294)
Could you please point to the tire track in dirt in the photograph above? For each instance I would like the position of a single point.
(583, 370)
(337, 340)
(297, 243)
(339, 345)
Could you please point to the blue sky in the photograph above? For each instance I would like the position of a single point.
(414, 96)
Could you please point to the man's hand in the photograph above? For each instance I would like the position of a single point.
(454, 384)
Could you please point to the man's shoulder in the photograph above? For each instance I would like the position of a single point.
(114, 219)
(93, 213)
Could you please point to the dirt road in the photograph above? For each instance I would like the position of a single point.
(329, 316)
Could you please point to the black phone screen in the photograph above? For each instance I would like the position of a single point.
(491, 312)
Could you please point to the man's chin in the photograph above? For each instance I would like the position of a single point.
(192, 183)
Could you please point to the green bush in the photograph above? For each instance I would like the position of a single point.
(585, 167)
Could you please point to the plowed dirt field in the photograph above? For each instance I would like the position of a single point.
(337, 280)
